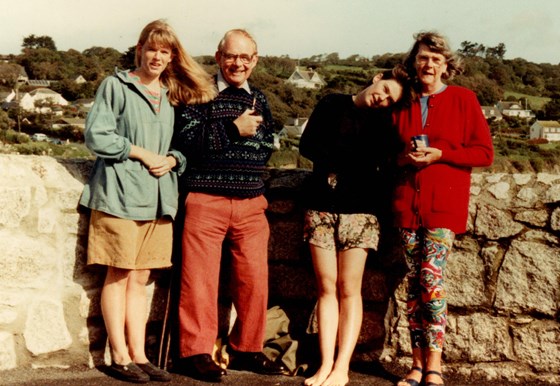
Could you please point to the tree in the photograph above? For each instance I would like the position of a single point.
(34, 42)
(471, 50)
(332, 58)
(41, 63)
(501, 73)
(497, 52)
(487, 91)
(552, 108)
(127, 59)
(5, 121)
(9, 73)
(388, 60)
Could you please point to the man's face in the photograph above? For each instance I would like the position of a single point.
(237, 59)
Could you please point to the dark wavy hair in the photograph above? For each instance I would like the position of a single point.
(401, 75)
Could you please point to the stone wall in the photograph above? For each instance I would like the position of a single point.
(503, 276)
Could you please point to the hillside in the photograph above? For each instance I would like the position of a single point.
(490, 76)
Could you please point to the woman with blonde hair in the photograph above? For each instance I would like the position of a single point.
(133, 190)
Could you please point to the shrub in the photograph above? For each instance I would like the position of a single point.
(33, 148)
(12, 136)
(537, 141)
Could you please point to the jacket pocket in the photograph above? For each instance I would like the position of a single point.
(140, 190)
(450, 199)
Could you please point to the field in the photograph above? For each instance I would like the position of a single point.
(534, 102)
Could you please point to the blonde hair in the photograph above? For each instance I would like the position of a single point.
(187, 82)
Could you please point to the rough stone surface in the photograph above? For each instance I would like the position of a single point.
(555, 220)
(465, 275)
(487, 219)
(536, 343)
(529, 278)
(500, 190)
(8, 358)
(45, 328)
(478, 337)
(503, 276)
(536, 218)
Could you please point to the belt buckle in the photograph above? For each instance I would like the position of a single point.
(332, 180)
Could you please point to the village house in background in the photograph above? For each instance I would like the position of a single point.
(69, 122)
(293, 128)
(40, 100)
(514, 109)
(549, 130)
(492, 112)
(306, 78)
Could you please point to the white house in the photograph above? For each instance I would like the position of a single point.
(79, 79)
(294, 128)
(306, 78)
(514, 109)
(65, 122)
(40, 96)
(549, 130)
(491, 112)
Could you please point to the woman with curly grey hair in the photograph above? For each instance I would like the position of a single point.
(432, 192)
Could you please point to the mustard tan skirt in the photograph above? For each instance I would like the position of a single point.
(129, 244)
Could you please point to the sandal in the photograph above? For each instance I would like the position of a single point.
(433, 383)
(413, 382)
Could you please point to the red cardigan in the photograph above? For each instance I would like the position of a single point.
(437, 196)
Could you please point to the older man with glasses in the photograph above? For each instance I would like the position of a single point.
(227, 143)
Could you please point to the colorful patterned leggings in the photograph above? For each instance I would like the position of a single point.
(426, 251)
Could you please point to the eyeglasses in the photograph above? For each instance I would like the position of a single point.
(230, 58)
(424, 59)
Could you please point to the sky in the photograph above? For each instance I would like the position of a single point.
(297, 28)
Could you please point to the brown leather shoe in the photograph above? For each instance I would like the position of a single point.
(256, 362)
(201, 367)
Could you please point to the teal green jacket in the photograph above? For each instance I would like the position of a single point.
(123, 116)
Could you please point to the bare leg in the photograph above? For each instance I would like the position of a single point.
(351, 265)
(113, 307)
(417, 361)
(325, 265)
(136, 314)
(433, 363)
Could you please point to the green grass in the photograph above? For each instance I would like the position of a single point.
(535, 102)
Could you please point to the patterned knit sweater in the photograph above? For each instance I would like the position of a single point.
(219, 160)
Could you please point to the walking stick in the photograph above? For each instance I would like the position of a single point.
(165, 338)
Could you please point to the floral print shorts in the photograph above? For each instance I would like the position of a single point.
(341, 231)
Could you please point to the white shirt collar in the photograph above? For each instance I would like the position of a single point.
(222, 84)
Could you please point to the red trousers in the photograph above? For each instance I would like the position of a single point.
(209, 219)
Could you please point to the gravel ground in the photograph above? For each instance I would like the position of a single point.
(361, 375)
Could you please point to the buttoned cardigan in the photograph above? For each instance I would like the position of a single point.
(437, 196)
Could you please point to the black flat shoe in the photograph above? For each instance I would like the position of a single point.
(201, 367)
(433, 383)
(129, 373)
(410, 381)
(154, 372)
(256, 362)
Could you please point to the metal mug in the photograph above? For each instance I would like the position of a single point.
(417, 140)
